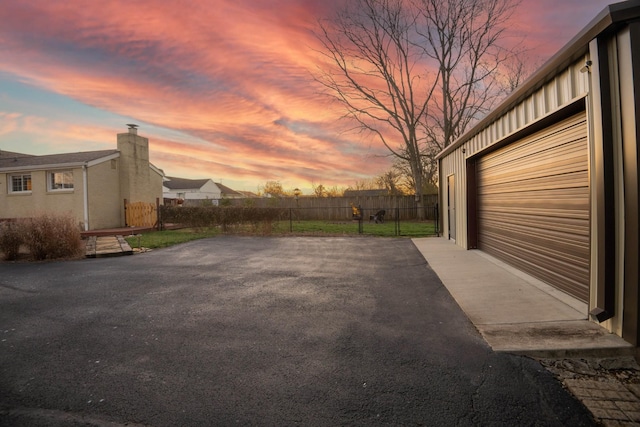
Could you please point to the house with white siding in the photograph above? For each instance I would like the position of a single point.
(197, 191)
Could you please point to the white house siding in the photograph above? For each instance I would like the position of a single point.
(208, 191)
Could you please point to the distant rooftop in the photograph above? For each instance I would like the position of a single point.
(175, 183)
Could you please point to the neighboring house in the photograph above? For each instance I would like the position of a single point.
(190, 189)
(248, 194)
(91, 186)
(197, 190)
(548, 181)
(228, 193)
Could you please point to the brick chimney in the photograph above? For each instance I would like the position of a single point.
(134, 166)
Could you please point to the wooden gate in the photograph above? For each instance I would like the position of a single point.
(140, 214)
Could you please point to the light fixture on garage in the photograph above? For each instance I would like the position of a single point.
(587, 67)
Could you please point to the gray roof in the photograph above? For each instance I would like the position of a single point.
(184, 183)
(5, 154)
(9, 160)
(248, 194)
(175, 183)
(226, 190)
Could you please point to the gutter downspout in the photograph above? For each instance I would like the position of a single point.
(85, 195)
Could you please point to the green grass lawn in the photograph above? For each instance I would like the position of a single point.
(161, 239)
(388, 229)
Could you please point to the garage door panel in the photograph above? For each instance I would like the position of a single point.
(566, 148)
(553, 163)
(547, 169)
(533, 256)
(569, 181)
(567, 280)
(556, 203)
(560, 231)
(569, 246)
(551, 138)
(533, 205)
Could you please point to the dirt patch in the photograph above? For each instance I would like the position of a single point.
(622, 369)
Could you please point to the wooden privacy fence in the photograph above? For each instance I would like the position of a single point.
(338, 208)
(141, 214)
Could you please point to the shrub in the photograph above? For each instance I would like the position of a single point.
(52, 237)
(11, 237)
(228, 218)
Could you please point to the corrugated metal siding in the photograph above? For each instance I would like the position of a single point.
(455, 165)
(564, 89)
(533, 205)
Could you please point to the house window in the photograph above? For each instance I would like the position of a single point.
(20, 183)
(60, 180)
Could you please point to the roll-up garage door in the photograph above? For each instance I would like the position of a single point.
(533, 205)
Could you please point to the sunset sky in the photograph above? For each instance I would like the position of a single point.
(222, 88)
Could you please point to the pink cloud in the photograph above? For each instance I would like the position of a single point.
(231, 79)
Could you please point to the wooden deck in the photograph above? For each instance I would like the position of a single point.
(126, 231)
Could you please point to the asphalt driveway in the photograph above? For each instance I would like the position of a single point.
(257, 331)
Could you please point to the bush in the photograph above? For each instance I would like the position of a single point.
(11, 237)
(51, 237)
(228, 218)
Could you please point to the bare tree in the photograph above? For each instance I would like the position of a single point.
(319, 190)
(375, 70)
(429, 177)
(463, 39)
(365, 184)
(334, 191)
(415, 73)
(517, 68)
(391, 180)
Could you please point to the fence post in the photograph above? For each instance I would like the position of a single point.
(397, 221)
(158, 215)
(360, 225)
(290, 220)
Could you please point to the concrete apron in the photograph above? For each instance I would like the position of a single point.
(515, 312)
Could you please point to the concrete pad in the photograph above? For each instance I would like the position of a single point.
(514, 311)
(562, 339)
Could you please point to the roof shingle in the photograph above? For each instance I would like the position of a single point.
(10, 160)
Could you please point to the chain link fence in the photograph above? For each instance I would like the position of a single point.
(310, 220)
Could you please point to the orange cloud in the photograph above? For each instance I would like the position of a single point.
(222, 90)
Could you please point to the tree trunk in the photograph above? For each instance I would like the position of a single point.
(418, 191)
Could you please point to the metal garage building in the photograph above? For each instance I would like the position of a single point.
(548, 182)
